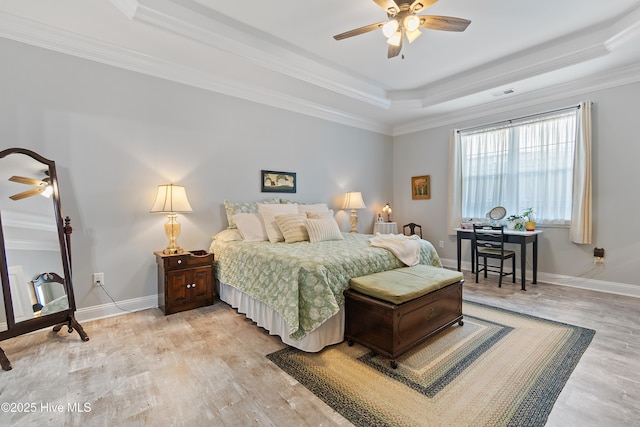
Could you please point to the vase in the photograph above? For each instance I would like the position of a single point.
(530, 225)
(516, 224)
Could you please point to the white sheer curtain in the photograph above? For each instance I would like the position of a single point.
(580, 229)
(454, 202)
(542, 162)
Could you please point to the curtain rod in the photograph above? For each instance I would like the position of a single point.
(577, 107)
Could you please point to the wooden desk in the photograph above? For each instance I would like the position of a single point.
(517, 237)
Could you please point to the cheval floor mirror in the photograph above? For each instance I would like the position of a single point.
(35, 249)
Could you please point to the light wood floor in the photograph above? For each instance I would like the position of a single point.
(208, 367)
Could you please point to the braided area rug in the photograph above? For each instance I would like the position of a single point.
(500, 369)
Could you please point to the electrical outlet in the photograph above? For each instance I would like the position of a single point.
(441, 243)
(598, 253)
(98, 279)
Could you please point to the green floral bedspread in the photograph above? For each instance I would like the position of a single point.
(304, 281)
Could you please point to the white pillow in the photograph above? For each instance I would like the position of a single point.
(292, 227)
(251, 227)
(269, 213)
(228, 235)
(318, 207)
(320, 215)
(323, 229)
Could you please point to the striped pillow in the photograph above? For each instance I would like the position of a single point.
(292, 227)
(323, 229)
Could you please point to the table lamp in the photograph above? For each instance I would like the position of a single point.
(171, 199)
(353, 200)
(387, 209)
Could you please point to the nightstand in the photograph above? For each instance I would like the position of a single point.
(185, 281)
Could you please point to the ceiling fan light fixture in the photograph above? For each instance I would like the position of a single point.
(47, 192)
(411, 23)
(412, 35)
(395, 39)
(390, 28)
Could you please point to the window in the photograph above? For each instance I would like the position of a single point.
(523, 164)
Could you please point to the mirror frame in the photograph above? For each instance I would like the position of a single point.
(57, 319)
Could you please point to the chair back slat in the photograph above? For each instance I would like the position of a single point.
(489, 243)
(412, 229)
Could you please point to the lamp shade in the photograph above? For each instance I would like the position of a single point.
(353, 200)
(171, 199)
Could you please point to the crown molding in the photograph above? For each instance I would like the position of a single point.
(51, 38)
(542, 59)
(605, 80)
(225, 34)
(127, 7)
(245, 43)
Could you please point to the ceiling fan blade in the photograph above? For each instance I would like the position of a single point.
(444, 23)
(28, 181)
(358, 31)
(420, 5)
(389, 6)
(27, 193)
(395, 50)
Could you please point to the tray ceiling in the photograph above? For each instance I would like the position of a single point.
(282, 52)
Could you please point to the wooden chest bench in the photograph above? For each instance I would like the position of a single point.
(393, 311)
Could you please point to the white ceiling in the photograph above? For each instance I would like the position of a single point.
(282, 53)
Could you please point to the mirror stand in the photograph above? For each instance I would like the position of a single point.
(4, 362)
(34, 243)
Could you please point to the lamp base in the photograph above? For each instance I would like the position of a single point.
(353, 219)
(172, 251)
(172, 231)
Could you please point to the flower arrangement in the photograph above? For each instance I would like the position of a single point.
(515, 222)
(519, 222)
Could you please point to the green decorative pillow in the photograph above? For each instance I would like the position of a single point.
(243, 207)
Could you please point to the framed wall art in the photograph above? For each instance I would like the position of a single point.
(278, 182)
(420, 187)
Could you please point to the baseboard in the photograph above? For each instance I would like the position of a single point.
(143, 303)
(574, 282)
(114, 309)
(110, 309)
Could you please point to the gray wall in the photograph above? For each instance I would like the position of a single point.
(115, 135)
(616, 152)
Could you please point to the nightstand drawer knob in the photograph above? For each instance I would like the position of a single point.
(188, 286)
(179, 261)
(193, 285)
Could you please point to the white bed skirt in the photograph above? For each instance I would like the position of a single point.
(330, 332)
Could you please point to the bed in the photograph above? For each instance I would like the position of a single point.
(295, 290)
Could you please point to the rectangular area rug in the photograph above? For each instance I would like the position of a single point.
(501, 368)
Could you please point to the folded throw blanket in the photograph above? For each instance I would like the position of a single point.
(405, 248)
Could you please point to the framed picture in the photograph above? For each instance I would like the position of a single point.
(420, 187)
(278, 182)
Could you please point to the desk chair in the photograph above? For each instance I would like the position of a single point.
(489, 243)
(412, 229)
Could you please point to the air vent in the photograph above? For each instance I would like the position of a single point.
(504, 92)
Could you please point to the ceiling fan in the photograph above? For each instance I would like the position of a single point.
(41, 186)
(403, 22)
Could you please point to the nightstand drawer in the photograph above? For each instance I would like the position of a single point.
(178, 261)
